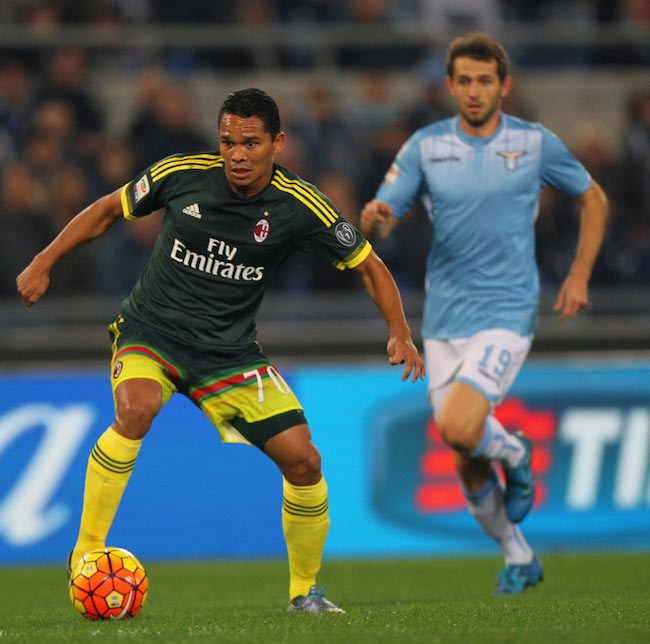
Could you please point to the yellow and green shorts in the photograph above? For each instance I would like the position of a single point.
(242, 394)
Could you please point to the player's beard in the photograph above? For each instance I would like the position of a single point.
(480, 121)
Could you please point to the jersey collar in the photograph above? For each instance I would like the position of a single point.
(478, 141)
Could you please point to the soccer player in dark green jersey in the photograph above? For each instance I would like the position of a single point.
(188, 326)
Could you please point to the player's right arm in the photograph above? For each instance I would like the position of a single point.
(90, 223)
(397, 193)
(377, 220)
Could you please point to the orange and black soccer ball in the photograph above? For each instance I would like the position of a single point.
(108, 584)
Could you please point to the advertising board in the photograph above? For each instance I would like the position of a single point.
(391, 482)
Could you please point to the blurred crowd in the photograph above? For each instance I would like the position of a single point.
(302, 19)
(56, 155)
(441, 13)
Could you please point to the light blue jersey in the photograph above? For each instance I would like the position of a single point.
(481, 195)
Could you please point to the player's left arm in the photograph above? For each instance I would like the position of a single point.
(382, 289)
(574, 292)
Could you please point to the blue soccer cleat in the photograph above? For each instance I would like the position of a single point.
(520, 485)
(515, 578)
(314, 602)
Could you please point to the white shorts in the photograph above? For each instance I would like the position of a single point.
(489, 361)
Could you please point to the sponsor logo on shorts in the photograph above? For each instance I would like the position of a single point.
(345, 233)
(117, 369)
(489, 376)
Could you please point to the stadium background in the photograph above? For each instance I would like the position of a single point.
(88, 90)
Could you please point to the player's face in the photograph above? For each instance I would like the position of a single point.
(478, 92)
(248, 152)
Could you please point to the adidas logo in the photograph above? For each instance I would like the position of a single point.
(193, 210)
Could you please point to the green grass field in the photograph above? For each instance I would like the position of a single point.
(584, 598)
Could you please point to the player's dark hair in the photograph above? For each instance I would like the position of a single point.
(253, 102)
(478, 46)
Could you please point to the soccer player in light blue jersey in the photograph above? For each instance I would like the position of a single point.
(479, 176)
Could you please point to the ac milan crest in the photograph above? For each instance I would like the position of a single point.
(261, 230)
(117, 370)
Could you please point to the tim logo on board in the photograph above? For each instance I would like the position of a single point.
(590, 458)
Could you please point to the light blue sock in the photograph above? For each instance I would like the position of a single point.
(486, 506)
(499, 445)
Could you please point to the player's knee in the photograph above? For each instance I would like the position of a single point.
(457, 434)
(134, 417)
(303, 468)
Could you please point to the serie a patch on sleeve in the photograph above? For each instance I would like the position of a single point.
(391, 176)
(141, 188)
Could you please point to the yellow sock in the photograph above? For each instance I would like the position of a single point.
(109, 467)
(305, 522)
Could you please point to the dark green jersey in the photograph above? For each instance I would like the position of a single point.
(212, 261)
